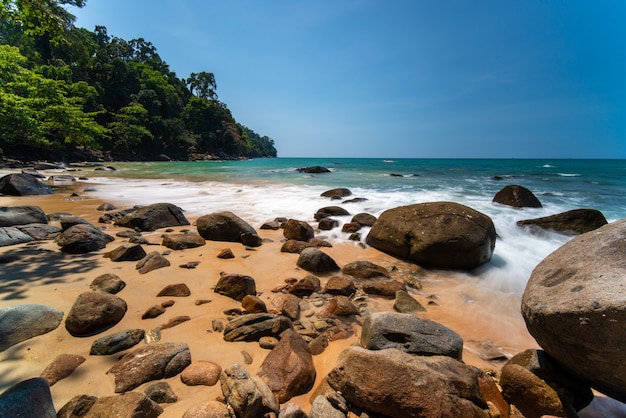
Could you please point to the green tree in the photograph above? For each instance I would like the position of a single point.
(203, 85)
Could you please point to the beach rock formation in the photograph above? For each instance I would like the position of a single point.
(517, 197)
(126, 252)
(204, 373)
(574, 305)
(82, 238)
(40, 231)
(21, 215)
(329, 211)
(11, 235)
(410, 334)
(288, 369)
(161, 392)
(340, 285)
(298, 230)
(316, 169)
(153, 217)
(235, 286)
(183, 241)
(130, 404)
(61, 367)
(396, 384)
(337, 193)
(248, 396)
(21, 184)
(114, 343)
(93, 312)
(152, 261)
(577, 221)
(364, 219)
(315, 260)
(295, 247)
(226, 226)
(251, 327)
(438, 235)
(150, 362)
(363, 269)
(108, 282)
(29, 398)
(208, 409)
(21, 322)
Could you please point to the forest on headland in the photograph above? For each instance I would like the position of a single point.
(71, 94)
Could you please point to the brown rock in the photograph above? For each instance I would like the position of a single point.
(225, 253)
(178, 290)
(577, 221)
(153, 312)
(93, 312)
(177, 320)
(108, 282)
(341, 306)
(365, 219)
(314, 260)
(201, 372)
(364, 270)
(298, 230)
(235, 286)
(153, 217)
(152, 261)
(253, 304)
(291, 307)
(340, 285)
(208, 409)
(385, 288)
(226, 226)
(131, 404)
(126, 252)
(288, 369)
(517, 197)
(337, 193)
(491, 393)
(305, 286)
(61, 367)
(183, 241)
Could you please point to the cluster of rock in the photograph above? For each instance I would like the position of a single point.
(404, 366)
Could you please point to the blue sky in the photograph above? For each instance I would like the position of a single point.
(401, 78)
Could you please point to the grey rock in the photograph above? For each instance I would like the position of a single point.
(21, 322)
(40, 231)
(405, 303)
(20, 184)
(252, 327)
(322, 408)
(117, 342)
(329, 211)
(226, 226)
(314, 260)
(28, 399)
(337, 193)
(410, 334)
(12, 236)
(82, 238)
(248, 396)
(153, 217)
(152, 261)
(21, 215)
(161, 392)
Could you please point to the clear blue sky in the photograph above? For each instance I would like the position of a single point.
(410, 78)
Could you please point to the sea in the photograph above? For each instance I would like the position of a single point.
(259, 190)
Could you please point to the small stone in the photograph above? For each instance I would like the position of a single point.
(268, 342)
(225, 253)
(161, 392)
(247, 358)
(153, 312)
(201, 372)
(167, 303)
(179, 290)
(177, 320)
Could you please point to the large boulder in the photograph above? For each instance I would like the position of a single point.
(235, 286)
(20, 184)
(577, 221)
(226, 226)
(317, 261)
(288, 369)
(437, 234)
(337, 193)
(252, 327)
(82, 238)
(153, 217)
(396, 384)
(93, 312)
(517, 197)
(410, 334)
(298, 230)
(575, 307)
(150, 362)
(30, 398)
(248, 396)
(22, 322)
(11, 235)
(21, 215)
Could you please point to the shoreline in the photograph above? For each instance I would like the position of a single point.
(47, 276)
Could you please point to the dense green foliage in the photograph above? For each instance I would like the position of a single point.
(65, 89)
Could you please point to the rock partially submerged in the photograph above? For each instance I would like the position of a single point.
(517, 197)
(576, 221)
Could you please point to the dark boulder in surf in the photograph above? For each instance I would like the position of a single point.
(436, 234)
(337, 193)
(577, 221)
(313, 170)
(517, 197)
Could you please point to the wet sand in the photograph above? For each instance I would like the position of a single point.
(44, 275)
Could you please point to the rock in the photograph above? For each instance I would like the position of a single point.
(235, 286)
(291, 307)
(226, 226)
(161, 392)
(251, 327)
(298, 230)
(384, 288)
(314, 260)
(131, 404)
(21, 322)
(573, 393)
(364, 270)
(272, 225)
(248, 396)
(351, 227)
(438, 235)
(313, 170)
(410, 334)
(126, 252)
(341, 306)
(177, 290)
(531, 395)
(29, 399)
(340, 285)
(365, 219)
(19, 184)
(329, 211)
(322, 408)
(116, 342)
(291, 410)
(177, 320)
(253, 304)
(202, 372)
(295, 247)
(108, 282)
(150, 362)
(82, 238)
(574, 305)
(396, 384)
(13, 236)
(225, 253)
(77, 407)
(40, 231)
(208, 409)
(305, 286)
(105, 207)
(153, 217)
(61, 367)
(93, 312)
(70, 220)
(405, 303)
(288, 369)
(152, 261)
(327, 224)
(183, 241)
(337, 193)
(110, 217)
(492, 395)
(21, 215)
(517, 197)
(153, 312)
(577, 221)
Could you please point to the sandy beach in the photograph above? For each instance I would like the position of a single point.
(45, 275)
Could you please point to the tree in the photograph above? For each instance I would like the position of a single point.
(203, 85)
